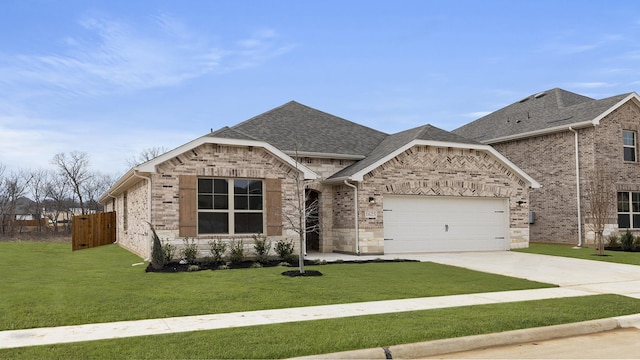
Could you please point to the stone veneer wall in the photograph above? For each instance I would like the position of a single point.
(427, 171)
(135, 237)
(218, 161)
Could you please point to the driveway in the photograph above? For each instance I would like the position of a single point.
(593, 276)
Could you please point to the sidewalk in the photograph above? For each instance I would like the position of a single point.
(575, 277)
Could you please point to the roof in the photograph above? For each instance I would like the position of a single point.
(545, 111)
(294, 127)
(393, 142)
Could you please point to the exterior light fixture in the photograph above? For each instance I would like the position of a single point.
(520, 203)
(372, 200)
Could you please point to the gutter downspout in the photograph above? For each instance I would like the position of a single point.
(355, 212)
(149, 242)
(578, 187)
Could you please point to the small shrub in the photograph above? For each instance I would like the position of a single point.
(378, 259)
(284, 249)
(320, 262)
(190, 250)
(627, 241)
(262, 247)
(284, 264)
(614, 240)
(193, 268)
(224, 267)
(169, 251)
(236, 252)
(256, 265)
(339, 261)
(217, 248)
(157, 256)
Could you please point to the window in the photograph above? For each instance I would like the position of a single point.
(629, 145)
(230, 206)
(629, 210)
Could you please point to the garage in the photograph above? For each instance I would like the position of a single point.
(441, 224)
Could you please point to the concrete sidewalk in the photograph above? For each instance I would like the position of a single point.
(576, 278)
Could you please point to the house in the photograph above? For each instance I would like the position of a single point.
(561, 139)
(423, 189)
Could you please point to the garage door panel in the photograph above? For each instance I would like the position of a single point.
(432, 224)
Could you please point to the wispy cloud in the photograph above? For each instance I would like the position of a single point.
(563, 46)
(113, 55)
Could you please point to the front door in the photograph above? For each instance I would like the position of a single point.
(312, 205)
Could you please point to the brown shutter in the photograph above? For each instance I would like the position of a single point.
(188, 211)
(274, 207)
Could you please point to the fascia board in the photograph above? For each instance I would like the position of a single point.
(359, 176)
(320, 155)
(632, 96)
(150, 166)
(546, 131)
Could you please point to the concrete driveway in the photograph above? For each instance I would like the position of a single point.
(593, 276)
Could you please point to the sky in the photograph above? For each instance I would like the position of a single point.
(112, 78)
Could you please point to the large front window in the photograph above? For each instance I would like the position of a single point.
(629, 145)
(229, 206)
(629, 210)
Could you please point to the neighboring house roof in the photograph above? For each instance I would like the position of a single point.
(543, 112)
(294, 127)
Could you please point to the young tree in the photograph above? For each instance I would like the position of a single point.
(75, 169)
(38, 187)
(601, 195)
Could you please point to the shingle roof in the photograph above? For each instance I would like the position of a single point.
(544, 110)
(296, 127)
(396, 141)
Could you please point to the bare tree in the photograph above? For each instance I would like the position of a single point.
(12, 187)
(59, 199)
(38, 187)
(96, 185)
(75, 168)
(146, 155)
(602, 199)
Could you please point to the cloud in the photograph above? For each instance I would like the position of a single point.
(113, 56)
(591, 85)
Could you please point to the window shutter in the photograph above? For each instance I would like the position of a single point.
(274, 207)
(188, 209)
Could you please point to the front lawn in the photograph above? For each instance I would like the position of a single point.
(45, 284)
(325, 336)
(632, 258)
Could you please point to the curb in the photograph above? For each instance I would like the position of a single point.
(474, 342)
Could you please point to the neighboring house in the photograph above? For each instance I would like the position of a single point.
(561, 138)
(423, 189)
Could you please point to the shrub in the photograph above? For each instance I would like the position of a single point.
(223, 267)
(193, 268)
(236, 252)
(262, 247)
(169, 251)
(627, 241)
(284, 249)
(320, 262)
(190, 250)
(256, 265)
(217, 248)
(284, 264)
(157, 256)
(614, 240)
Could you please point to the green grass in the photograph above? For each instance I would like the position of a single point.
(45, 284)
(324, 336)
(621, 257)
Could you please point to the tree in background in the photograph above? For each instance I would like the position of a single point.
(145, 155)
(75, 168)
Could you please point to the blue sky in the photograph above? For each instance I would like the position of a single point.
(111, 78)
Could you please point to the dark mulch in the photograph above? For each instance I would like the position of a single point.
(174, 267)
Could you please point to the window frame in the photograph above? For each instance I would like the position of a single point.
(235, 212)
(632, 211)
(633, 147)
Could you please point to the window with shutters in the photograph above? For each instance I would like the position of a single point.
(230, 206)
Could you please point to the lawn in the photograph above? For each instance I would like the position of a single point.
(324, 336)
(632, 258)
(45, 284)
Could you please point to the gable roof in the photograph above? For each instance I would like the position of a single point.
(393, 142)
(543, 112)
(294, 127)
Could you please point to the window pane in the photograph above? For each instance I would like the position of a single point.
(248, 223)
(629, 154)
(213, 223)
(241, 187)
(221, 186)
(205, 186)
(623, 202)
(635, 202)
(636, 221)
(629, 138)
(255, 187)
(221, 202)
(623, 221)
(241, 202)
(255, 203)
(205, 202)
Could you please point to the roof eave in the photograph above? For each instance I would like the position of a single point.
(555, 129)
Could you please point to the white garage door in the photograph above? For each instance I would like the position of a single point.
(437, 224)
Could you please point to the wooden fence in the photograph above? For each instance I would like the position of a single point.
(93, 230)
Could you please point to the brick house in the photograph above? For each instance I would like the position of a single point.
(561, 138)
(423, 189)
